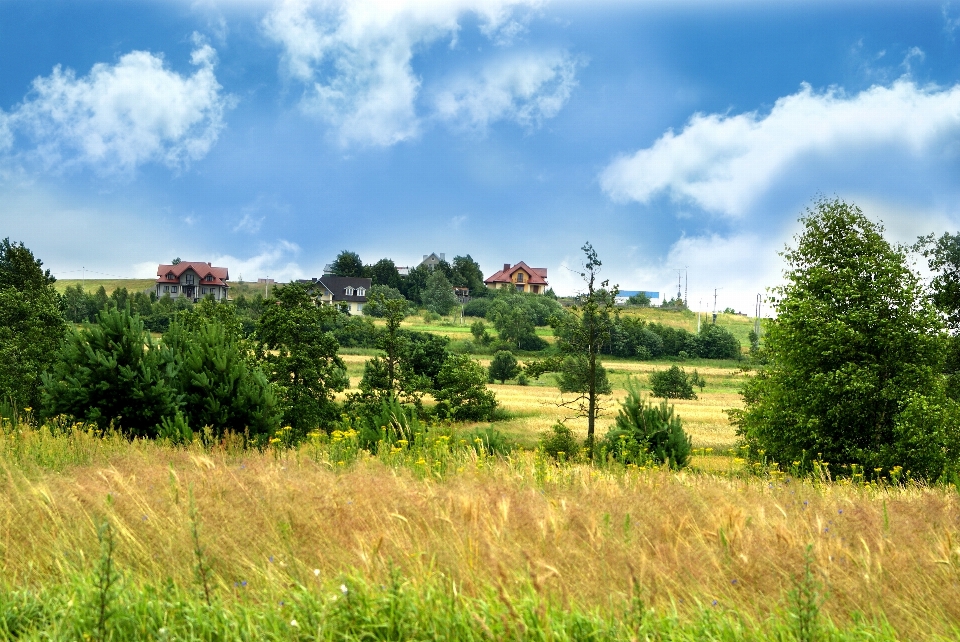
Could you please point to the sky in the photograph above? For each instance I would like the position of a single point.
(268, 136)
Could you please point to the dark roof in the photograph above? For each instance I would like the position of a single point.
(338, 284)
(220, 274)
(538, 276)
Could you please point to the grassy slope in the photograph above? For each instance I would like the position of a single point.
(91, 285)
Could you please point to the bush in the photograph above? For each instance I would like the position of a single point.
(714, 342)
(462, 393)
(477, 307)
(645, 432)
(672, 383)
(503, 366)
(112, 372)
(560, 443)
(375, 298)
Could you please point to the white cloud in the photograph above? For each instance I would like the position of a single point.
(525, 88)
(121, 116)
(275, 261)
(724, 163)
(354, 57)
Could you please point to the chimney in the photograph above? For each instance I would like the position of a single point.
(506, 266)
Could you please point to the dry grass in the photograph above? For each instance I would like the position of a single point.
(582, 535)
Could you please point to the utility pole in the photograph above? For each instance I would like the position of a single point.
(756, 323)
(715, 305)
(699, 307)
(679, 291)
(686, 286)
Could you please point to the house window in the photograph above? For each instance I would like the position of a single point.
(170, 276)
(348, 291)
(173, 289)
(203, 290)
(519, 277)
(209, 277)
(189, 279)
(535, 289)
(166, 288)
(361, 292)
(519, 287)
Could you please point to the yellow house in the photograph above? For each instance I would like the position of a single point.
(519, 277)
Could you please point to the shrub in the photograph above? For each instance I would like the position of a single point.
(375, 298)
(673, 383)
(462, 392)
(714, 342)
(644, 431)
(560, 443)
(477, 307)
(503, 366)
(112, 372)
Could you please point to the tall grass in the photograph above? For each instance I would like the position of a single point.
(437, 539)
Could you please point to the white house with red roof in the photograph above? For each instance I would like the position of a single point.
(193, 280)
(520, 277)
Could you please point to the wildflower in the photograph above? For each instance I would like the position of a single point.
(714, 602)
(293, 623)
(343, 589)
(316, 572)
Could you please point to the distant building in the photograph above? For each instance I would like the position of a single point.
(349, 291)
(192, 280)
(520, 277)
(432, 260)
(623, 295)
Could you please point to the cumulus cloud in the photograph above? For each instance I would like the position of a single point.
(725, 163)
(275, 261)
(121, 116)
(355, 58)
(526, 89)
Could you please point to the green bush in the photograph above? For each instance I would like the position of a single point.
(477, 307)
(646, 432)
(112, 372)
(503, 366)
(673, 383)
(714, 342)
(560, 443)
(462, 393)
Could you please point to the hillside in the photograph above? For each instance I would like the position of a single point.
(92, 285)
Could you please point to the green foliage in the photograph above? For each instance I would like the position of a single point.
(560, 443)
(479, 331)
(467, 273)
(640, 298)
(220, 387)
(645, 432)
(384, 273)
(854, 353)
(437, 295)
(300, 358)
(673, 383)
(348, 264)
(503, 366)
(477, 307)
(31, 325)
(461, 391)
(377, 295)
(715, 342)
(112, 372)
(574, 376)
(413, 285)
(943, 256)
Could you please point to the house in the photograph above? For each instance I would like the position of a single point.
(431, 260)
(521, 277)
(349, 291)
(192, 280)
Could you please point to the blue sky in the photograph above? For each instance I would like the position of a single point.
(268, 136)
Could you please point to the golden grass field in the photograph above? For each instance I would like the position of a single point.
(581, 536)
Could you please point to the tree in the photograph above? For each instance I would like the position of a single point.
(640, 298)
(384, 273)
(673, 383)
(714, 342)
(854, 356)
(469, 275)
(113, 373)
(438, 295)
(348, 264)
(378, 294)
(300, 358)
(461, 392)
(503, 366)
(644, 431)
(31, 325)
(581, 335)
(414, 283)
(479, 331)
(214, 375)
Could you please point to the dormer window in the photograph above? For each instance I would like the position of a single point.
(361, 292)
(209, 277)
(170, 276)
(519, 277)
(348, 290)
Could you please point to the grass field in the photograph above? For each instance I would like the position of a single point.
(106, 539)
(92, 285)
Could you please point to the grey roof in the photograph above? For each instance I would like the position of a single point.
(338, 284)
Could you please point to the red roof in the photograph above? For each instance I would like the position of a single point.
(220, 274)
(538, 276)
